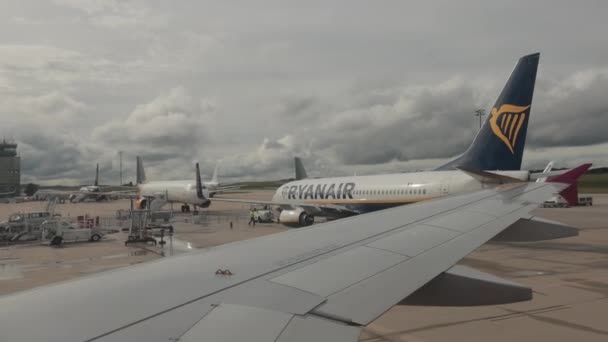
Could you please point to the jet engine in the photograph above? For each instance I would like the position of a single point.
(141, 203)
(296, 218)
(154, 203)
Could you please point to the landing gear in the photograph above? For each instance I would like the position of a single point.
(185, 208)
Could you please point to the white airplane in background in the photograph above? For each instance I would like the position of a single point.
(94, 192)
(499, 145)
(176, 191)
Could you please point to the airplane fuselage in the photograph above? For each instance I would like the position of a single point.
(375, 192)
(179, 191)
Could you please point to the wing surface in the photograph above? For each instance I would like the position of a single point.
(320, 283)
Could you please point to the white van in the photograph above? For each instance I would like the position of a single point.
(58, 232)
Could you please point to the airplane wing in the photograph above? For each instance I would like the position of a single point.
(321, 283)
(225, 188)
(51, 192)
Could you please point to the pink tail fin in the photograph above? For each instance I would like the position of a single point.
(570, 194)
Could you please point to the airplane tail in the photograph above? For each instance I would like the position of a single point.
(499, 145)
(140, 177)
(300, 171)
(96, 183)
(199, 183)
(570, 194)
(214, 177)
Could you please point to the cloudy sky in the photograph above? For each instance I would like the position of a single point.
(351, 86)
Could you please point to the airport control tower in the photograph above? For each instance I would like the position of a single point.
(10, 169)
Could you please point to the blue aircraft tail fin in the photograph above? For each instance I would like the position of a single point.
(499, 145)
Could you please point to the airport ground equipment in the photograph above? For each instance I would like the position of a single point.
(23, 226)
(143, 232)
(559, 202)
(56, 232)
(263, 213)
(139, 221)
(586, 201)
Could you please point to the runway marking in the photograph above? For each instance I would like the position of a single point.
(561, 323)
(517, 314)
(512, 314)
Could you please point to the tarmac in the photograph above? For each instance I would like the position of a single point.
(569, 276)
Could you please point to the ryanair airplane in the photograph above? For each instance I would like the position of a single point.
(499, 145)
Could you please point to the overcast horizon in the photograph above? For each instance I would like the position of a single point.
(350, 86)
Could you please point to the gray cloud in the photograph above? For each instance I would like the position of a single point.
(572, 112)
(349, 86)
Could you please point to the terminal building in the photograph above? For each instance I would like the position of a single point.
(10, 169)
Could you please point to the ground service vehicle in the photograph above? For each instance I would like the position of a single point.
(57, 232)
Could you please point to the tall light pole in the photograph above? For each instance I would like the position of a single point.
(120, 165)
(480, 113)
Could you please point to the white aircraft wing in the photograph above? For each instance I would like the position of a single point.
(51, 192)
(227, 188)
(321, 283)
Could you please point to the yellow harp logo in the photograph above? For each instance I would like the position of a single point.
(506, 122)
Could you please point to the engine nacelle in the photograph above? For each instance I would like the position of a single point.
(296, 218)
(153, 203)
(141, 203)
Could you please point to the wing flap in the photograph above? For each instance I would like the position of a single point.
(311, 328)
(273, 296)
(461, 221)
(332, 274)
(415, 240)
(168, 326)
(219, 325)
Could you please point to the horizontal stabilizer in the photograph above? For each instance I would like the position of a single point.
(535, 229)
(486, 177)
(465, 286)
(543, 175)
